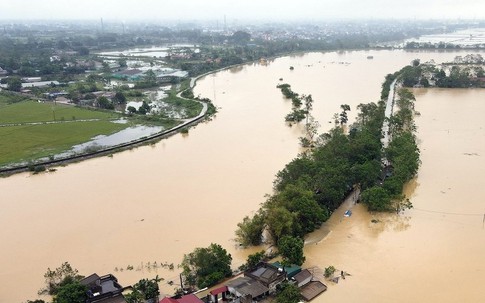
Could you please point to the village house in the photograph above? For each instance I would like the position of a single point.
(191, 298)
(245, 289)
(291, 270)
(309, 287)
(267, 274)
(104, 289)
(262, 281)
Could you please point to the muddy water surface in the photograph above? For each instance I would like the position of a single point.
(157, 202)
(434, 252)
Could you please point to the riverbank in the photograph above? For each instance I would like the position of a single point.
(39, 166)
(108, 150)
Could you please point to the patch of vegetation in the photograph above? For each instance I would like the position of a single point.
(253, 260)
(403, 155)
(7, 98)
(205, 267)
(144, 290)
(288, 293)
(28, 142)
(329, 271)
(291, 249)
(32, 111)
(189, 108)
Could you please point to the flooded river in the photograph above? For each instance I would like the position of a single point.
(157, 202)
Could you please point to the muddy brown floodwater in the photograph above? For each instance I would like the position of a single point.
(434, 252)
(158, 202)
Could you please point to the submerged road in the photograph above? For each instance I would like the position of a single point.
(388, 114)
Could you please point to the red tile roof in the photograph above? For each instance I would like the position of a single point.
(190, 299)
(168, 300)
(185, 299)
(218, 290)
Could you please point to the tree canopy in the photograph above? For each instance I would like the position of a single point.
(143, 290)
(204, 267)
(289, 293)
(291, 248)
(55, 279)
(73, 292)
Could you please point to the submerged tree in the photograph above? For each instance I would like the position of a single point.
(63, 275)
(250, 230)
(143, 290)
(289, 293)
(205, 267)
(291, 248)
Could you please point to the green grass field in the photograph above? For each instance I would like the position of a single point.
(33, 111)
(31, 141)
(28, 142)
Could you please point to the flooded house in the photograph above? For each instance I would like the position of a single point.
(104, 289)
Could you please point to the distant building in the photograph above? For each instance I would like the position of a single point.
(32, 79)
(40, 84)
(129, 74)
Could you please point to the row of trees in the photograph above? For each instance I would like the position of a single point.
(403, 156)
(313, 185)
(455, 75)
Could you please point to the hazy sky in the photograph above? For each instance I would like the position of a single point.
(274, 10)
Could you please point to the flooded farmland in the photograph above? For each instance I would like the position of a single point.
(155, 203)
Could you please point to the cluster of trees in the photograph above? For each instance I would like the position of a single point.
(458, 77)
(142, 110)
(144, 290)
(149, 80)
(13, 83)
(425, 75)
(313, 185)
(403, 156)
(206, 266)
(63, 285)
(297, 114)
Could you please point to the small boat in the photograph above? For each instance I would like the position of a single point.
(348, 213)
(370, 57)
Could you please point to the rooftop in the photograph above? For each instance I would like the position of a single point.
(265, 273)
(290, 270)
(312, 289)
(191, 298)
(247, 286)
(302, 275)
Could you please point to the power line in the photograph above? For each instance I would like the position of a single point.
(448, 213)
